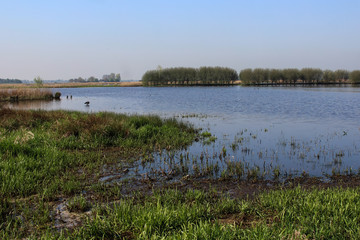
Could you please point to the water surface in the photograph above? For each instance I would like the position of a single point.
(294, 129)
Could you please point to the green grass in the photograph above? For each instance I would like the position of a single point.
(45, 156)
(171, 214)
(39, 151)
(282, 214)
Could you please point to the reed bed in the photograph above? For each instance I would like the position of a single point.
(73, 85)
(19, 94)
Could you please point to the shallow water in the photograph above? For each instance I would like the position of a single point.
(293, 129)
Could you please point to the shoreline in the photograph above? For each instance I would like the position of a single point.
(83, 181)
(73, 85)
(140, 84)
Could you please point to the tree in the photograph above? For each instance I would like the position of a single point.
(10, 81)
(329, 76)
(80, 79)
(291, 75)
(92, 79)
(355, 76)
(341, 75)
(275, 76)
(246, 76)
(38, 81)
(311, 75)
(190, 76)
(260, 75)
(117, 77)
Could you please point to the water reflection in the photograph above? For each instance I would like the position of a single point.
(35, 104)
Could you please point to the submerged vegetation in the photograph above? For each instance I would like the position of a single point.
(65, 175)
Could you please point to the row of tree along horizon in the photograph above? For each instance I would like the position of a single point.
(7, 80)
(228, 76)
(257, 76)
(112, 77)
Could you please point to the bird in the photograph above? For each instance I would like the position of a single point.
(87, 103)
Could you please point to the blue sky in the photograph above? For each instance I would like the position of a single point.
(63, 39)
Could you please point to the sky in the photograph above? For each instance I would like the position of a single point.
(63, 39)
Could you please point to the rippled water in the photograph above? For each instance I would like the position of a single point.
(294, 129)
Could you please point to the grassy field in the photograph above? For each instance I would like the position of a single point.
(51, 165)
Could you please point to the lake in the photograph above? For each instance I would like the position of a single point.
(263, 129)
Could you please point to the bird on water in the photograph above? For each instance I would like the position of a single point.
(87, 103)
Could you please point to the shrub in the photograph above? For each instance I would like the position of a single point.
(57, 95)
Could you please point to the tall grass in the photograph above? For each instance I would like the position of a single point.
(25, 94)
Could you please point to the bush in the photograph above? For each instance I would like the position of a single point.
(57, 95)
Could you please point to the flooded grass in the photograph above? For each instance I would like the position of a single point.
(108, 176)
(245, 158)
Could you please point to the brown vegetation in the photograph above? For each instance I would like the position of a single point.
(75, 85)
(18, 94)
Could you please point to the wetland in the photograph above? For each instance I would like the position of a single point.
(178, 162)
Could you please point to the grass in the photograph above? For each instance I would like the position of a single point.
(78, 204)
(40, 150)
(282, 214)
(18, 94)
(45, 156)
(57, 157)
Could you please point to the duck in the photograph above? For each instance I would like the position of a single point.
(87, 103)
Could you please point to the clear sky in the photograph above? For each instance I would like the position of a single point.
(63, 39)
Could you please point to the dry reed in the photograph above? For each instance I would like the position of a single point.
(74, 85)
(18, 94)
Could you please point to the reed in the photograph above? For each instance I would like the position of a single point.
(19, 94)
(73, 85)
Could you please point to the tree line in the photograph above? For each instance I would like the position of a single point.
(257, 76)
(293, 76)
(190, 76)
(7, 80)
(112, 77)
